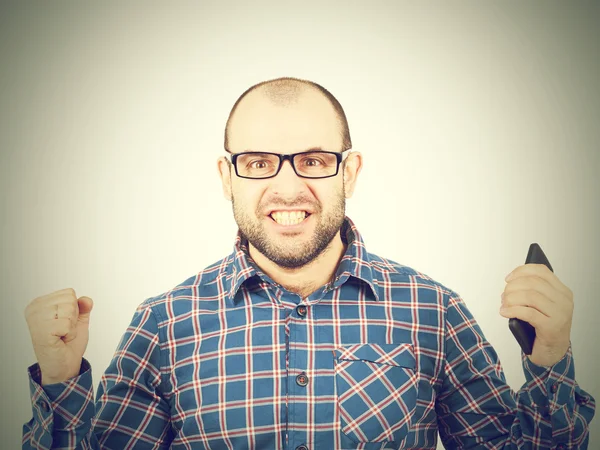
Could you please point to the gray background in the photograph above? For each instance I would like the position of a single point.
(477, 121)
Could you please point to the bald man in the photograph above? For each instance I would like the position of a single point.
(301, 338)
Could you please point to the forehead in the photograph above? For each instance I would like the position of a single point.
(309, 121)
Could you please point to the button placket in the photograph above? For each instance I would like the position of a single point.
(297, 365)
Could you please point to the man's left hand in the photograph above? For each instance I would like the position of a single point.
(533, 293)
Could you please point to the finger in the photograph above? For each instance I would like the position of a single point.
(71, 311)
(542, 271)
(57, 295)
(71, 334)
(44, 313)
(530, 315)
(85, 305)
(51, 302)
(60, 327)
(532, 299)
(535, 283)
(62, 311)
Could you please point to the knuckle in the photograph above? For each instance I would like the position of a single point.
(68, 296)
(530, 317)
(30, 313)
(66, 291)
(509, 300)
(539, 299)
(65, 295)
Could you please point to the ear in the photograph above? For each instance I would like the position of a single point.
(352, 168)
(224, 167)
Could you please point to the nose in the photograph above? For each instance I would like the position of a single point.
(286, 181)
(287, 167)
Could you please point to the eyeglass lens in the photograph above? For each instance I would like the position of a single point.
(262, 165)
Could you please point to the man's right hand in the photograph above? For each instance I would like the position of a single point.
(59, 328)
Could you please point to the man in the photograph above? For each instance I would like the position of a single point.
(302, 339)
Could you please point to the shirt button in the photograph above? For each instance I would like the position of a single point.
(302, 447)
(45, 406)
(301, 310)
(554, 388)
(302, 379)
(560, 447)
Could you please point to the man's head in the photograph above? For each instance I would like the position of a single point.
(286, 116)
(286, 91)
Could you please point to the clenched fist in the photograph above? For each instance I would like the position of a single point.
(59, 328)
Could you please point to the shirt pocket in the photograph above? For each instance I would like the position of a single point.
(376, 387)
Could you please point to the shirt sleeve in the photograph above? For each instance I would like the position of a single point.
(477, 409)
(130, 411)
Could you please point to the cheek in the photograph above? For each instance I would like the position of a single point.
(329, 197)
(246, 200)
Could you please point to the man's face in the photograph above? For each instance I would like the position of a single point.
(260, 125)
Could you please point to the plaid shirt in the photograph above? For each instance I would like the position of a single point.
(383, 357)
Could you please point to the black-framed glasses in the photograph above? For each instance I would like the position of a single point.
(308, 164)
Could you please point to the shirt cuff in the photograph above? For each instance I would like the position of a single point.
(550, 386)
(551, 392)
(62, 406)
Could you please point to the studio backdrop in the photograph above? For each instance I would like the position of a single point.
(477, 122)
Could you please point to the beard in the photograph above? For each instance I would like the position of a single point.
(289, 253)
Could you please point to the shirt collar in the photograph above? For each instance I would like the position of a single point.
(356, 261)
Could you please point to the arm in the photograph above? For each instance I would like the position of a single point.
(477, 409)
(130, 412)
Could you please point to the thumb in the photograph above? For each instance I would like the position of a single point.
(85, 307)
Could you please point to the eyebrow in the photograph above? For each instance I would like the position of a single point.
(311, 149)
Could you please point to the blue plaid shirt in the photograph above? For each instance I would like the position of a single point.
(383, 357)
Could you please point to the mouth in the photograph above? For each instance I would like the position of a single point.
(289, 220)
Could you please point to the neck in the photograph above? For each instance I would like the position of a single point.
(306, 279)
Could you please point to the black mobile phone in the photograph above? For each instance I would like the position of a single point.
(524, 332)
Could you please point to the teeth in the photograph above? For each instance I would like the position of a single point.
(288, 217)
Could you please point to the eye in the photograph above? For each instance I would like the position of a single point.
(316, 161)
(259, 161)
(312, 162)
